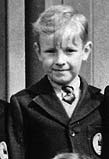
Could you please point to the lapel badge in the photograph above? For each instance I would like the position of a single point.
(97, 143)
(3, 150)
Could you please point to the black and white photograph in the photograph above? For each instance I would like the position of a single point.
(54, 79)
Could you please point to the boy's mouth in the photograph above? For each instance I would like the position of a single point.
(60, 70)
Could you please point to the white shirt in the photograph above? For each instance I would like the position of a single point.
(69, 108)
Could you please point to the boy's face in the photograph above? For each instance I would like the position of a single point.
(62, 55)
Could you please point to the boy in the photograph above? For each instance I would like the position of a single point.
(60, 113)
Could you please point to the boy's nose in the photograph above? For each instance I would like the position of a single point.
(61, 58)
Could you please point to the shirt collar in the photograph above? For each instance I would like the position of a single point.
(75, 84)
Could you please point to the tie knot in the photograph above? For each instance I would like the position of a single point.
(68, 95)
(68, 89)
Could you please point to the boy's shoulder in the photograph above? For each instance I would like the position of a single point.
(96, 94)
(93, 90)
(42, 86)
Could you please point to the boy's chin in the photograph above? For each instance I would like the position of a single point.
(61, 81)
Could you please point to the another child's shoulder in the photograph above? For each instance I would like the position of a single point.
(3, 105)
(3, 133)
(106, 91)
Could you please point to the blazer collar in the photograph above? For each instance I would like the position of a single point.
(46, 99)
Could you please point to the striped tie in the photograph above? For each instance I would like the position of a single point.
(68, 95)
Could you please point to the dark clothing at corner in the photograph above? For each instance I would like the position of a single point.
(3, 116)
(3, 127)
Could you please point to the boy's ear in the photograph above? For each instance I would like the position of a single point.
(36, 47)
(87, 50)
(37, 50)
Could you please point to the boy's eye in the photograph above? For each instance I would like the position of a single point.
(50, 51)
(70, 50)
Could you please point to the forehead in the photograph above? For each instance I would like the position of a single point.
(69, 35)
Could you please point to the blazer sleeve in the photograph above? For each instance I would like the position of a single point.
(106, 106)
(15, 130)
(105, 147)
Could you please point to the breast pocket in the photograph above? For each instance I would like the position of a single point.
(95, 140)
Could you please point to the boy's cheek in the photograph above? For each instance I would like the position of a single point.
(46, 65)
(48, 62)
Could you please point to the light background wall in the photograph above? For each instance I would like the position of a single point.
(16, 46)
(3, 50)
(19, 66)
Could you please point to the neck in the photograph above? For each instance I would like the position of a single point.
(75, 83)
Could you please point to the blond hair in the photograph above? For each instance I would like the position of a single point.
(60, 16)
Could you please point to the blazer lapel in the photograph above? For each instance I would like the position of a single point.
(47, 100)
(88, 102)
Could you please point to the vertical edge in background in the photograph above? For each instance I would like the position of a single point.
(92, 39)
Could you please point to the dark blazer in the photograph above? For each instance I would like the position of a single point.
(40, 128)
(3, 127)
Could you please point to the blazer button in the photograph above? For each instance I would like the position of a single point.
(73, 134)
